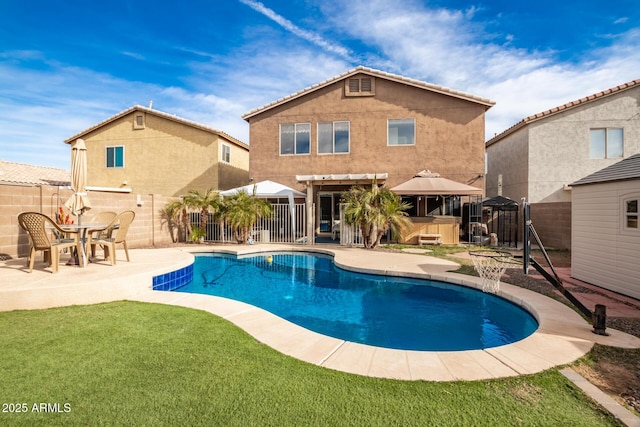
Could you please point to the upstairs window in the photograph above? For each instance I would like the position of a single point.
(360, 86)
(401, 132)
(115, 157)
(606, 143)
(295, 139)
(333, 138)
(226, 153)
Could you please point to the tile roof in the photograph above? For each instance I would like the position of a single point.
(24, 174)
(564, 107)
(158, 114)
(628, 168)
(375, 73)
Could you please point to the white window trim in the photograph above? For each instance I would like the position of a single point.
(106, 157)
(225, 148)
(624, 214)
(606, 143)
(294, 139)
(414, 133)
(333, 139)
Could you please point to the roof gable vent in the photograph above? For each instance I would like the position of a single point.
(360, 86)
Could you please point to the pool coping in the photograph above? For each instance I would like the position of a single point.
(562, 337)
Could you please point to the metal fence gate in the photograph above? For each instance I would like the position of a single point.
(286, 225)
(350, 235)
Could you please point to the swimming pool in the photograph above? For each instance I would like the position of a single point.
(392, 312)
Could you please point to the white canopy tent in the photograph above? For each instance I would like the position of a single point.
(265, 189)
(270, 190)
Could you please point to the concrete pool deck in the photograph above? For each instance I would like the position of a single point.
(563, 336)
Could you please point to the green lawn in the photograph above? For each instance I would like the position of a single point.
(130, 363)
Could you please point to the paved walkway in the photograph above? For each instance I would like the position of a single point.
(617, 305)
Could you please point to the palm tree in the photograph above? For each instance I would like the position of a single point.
(242, 210)
(393, 215)
(175, 213)
(358, 211)
(169, 215)
(375, 211)
(206, 202)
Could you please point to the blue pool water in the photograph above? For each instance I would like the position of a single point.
(401, 313)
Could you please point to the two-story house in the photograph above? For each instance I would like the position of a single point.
(365, 125)
(152, 152)
(540, 156)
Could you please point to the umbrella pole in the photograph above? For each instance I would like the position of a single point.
(82, 256)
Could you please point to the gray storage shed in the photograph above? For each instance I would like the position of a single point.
(605, 235)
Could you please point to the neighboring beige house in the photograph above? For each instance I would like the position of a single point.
(540, 156)
(152, 152)
(605, 228)
(366, 125)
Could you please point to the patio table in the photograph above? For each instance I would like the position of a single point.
(81, 229)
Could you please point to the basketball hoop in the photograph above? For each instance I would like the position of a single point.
(491, 265)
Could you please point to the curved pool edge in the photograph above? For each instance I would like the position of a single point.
(562, 337)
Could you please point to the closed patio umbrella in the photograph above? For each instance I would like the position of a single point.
(79, 200)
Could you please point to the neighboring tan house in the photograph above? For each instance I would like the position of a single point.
(152, 152)
(605, 228)
(540, 156)
(365, 125)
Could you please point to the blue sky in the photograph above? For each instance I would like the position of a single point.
(69, 64)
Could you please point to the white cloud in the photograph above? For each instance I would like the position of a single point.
(443, 46)
(253, 77)
(446, 47)
(551, 85)
(43, 107)
(134, 55)
(302, 33)
(46, 104)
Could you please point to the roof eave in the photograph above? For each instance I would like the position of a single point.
(604, 181)
(158, 114)
(374, 73)
(568, 106)
(504, 134)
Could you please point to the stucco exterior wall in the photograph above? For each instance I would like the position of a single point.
(541, 158)
(164, 157)
(449, 135)
(538, 160)
(559, 145)
(147, 229)
(603, 252)
(509, 158)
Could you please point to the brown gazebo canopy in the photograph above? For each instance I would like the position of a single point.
(431, 183)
